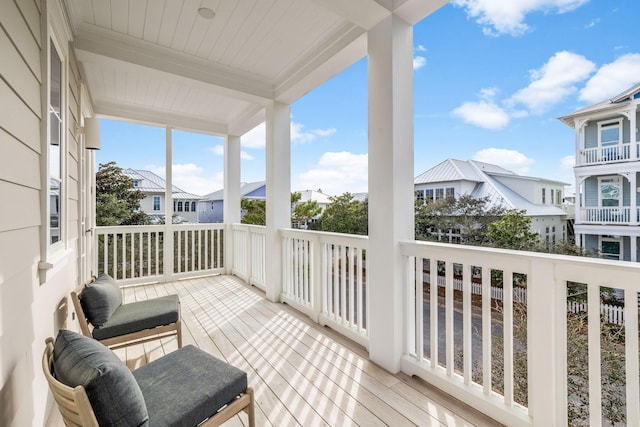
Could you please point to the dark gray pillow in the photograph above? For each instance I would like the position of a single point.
(100, 299)
(114, 394)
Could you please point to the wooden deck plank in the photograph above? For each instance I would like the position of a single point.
(302, 373)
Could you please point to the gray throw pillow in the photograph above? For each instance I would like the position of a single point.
(100, 299)
(114, 394)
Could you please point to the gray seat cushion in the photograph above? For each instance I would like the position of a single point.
(188, 386)
(138, 316)
(100, 299)
(114, 394)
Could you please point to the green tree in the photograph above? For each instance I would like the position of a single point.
(303, 212)
(513, 231)
(345, 215)
(466, 215)
(117, 201)
(254, 211)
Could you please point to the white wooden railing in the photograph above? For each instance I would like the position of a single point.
(591, 156)
(324, 276)
(452, 335)
(140, 253)
(615, 215)
(249, 253)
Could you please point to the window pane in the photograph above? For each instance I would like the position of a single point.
(610, 135)
(55, 146)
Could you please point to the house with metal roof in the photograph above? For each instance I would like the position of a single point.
(607, 169)
(540, 198)
(211, 206)
(153, 187)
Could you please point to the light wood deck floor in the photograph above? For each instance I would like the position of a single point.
(302, 373)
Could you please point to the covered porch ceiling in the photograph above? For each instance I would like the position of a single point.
(161, 62)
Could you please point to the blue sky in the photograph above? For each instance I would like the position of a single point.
(491, 77)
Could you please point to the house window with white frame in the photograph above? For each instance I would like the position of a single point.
(611, 247)
(55, 145)
(428, 195)
(609, 191)
(420, 195)
(156, 203)
(544, 196)
(609, 139)
(180, 206)
(186, 206)
(193, 206)
(450, 192)
(439, 193)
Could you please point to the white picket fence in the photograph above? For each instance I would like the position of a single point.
(613, 314)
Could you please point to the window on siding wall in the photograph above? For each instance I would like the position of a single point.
(420, 195)
(55, 145)
(558, 197)
(428, 195)
(544, 196)
(450, 192)
(439, 193)
(610, 191)
(193, 206)
(609, 133)
(156, 203)
(186, 206)
(179, 206)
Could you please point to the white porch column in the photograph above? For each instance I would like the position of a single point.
(278, 171)
(390, 49)
(634, 248)
(168, 208)
(231, 195)
(633, 125)
(633, 197)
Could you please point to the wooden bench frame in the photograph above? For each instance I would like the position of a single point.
(140, 337)
(76, 409)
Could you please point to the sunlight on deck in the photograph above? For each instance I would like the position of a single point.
(303, 374)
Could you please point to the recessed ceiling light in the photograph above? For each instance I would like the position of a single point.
(206, 13)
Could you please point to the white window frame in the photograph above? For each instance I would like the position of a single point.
(620, 196)
(62, 197)
(607, 239)
(156, 198)
(609, 123)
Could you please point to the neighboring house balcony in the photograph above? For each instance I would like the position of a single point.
(611, 154)
(609, 215)
(491, 331)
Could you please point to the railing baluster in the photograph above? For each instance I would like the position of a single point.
(467, 325)
(419, 320)
(631, 355)
(507, 308)
(433, 333)
(361, 290)
(486, 330)
(595, 380)
(352, 284)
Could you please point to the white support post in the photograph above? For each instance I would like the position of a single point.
(633, 125)
(231, 195)
(168, 209)
(542, 294)
(390, 49)
(278, 171)
(633, 196)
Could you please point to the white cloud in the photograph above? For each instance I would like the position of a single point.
(554, 81)
(300, 136)
(484, 113)
(420, 48)
(419, 62)
(509, 159)
(499, 17)
(568, 162)
(593, 23)
(337, 173)
(191, 178)
(256, 137)
(218, 150)
(612, 78)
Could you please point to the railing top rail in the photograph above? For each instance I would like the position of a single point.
(129, 228)
(324, 236)
(254, 228)
(610, 273)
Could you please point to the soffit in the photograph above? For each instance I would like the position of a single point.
(159, 61)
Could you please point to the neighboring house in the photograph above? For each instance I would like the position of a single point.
(607, 175)
(211, 206)
(540, 198)
(323, 200)
(153, 187)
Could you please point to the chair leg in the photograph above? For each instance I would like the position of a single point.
(251, 408)
(179, 326)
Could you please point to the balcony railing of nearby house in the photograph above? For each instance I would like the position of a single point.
(496, 329)
(598, 155)
(613, 215)
(138, 254)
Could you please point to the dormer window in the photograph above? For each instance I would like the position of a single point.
(136, 183)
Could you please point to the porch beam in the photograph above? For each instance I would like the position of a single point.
(278, 192)
(390, 48)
